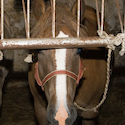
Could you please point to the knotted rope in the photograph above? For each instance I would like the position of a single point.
(112, 42)
(106, 86)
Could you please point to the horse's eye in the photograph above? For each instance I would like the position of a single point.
(39, 50)
(79, 50)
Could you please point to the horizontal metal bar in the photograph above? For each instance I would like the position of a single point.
(42, 43)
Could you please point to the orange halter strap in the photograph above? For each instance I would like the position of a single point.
(58, 72)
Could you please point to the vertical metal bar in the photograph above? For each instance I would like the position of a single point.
(97, 12)
(78, 18)
(124, 16)
(102, 16)
(24, 11)
(120, 19)
(53, 18)
(2, 19)
(28, 18)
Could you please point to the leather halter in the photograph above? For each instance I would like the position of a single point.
(58, 72)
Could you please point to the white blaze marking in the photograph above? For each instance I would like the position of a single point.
(61, 79)
(61, 87)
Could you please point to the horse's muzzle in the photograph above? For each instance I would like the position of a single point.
(72, 115)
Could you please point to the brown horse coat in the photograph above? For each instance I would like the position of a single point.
(91, 87)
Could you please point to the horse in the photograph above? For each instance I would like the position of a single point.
(6, 62)
(60, 77)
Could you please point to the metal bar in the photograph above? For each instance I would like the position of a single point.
(53, 18)
(25, 19)
(2, 19)
(78, 18)
(102, 16)
(124, 16)
(97, 12)
(42, 43)
(28, 18)
(119, 15)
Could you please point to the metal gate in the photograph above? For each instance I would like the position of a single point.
(28, 43)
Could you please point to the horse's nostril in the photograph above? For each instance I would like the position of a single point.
(50, 113)
(50, 116)
(72, 116)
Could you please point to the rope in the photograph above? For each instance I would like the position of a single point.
(106, 87)
(122, 52)
(113, 41)
(111, 47)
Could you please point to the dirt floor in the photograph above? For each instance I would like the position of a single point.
(17, 107)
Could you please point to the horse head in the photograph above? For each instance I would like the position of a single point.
(58, 70)
(60, 86)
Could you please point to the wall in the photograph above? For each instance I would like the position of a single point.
(111, 13)
(18, 31)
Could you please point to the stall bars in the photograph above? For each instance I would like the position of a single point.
(37, 43)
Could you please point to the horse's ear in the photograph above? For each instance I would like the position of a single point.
(82, 7)
(39, 8)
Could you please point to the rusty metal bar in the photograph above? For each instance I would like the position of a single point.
(124, 16)
(78, 18)
(119, 15)
(2, 19)
(42, 43)
(28, 18)
(24, 12)
(97, 12)
(102, 16)
(53, 18)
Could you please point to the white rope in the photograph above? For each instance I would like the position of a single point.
(113, 41)
(122, 52)
(111, 47)
(1, 55)
(105, 90)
